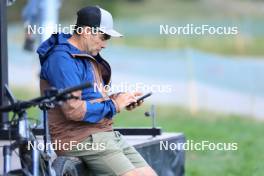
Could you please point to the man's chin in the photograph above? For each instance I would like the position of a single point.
(95, 53)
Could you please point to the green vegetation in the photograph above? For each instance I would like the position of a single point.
(25, 94)
(149, 12)
(239, 46)
(156, 9)
(245, 14)
(212, 127)
(169, 9)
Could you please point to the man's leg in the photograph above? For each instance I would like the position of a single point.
(111, 160)
(118, 158)
(143, 171)
(141, 166)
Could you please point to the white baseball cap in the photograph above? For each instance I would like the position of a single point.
(94, 16)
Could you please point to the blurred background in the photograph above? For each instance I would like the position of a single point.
(217, 80)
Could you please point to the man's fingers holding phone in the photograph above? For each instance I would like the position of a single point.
(129, 100)
(134, 105)
(139, 101)
(124, 99)
(136, 94)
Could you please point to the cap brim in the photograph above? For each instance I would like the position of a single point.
(111, 32)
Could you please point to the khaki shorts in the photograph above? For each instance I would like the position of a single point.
(107, 153)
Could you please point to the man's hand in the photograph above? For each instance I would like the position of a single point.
(124, 99)
(134, 105)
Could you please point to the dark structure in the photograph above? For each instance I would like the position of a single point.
(3, 60)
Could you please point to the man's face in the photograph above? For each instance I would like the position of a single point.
(94, 43)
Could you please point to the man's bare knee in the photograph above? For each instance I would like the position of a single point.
(143, 171)
(146, 171)
(131, 173)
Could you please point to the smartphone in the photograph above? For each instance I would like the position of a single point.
(144, 96)
(141, 98)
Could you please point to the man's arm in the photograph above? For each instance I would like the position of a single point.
(62, 72)
(88, 111)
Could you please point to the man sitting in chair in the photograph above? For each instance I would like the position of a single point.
(69, 60)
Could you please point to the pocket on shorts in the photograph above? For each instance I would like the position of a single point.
(106, 139)
(102, 137)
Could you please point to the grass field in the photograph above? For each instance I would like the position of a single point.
(239, 46)
(209, 126)
(213, 127)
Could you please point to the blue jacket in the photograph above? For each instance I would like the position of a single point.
(61, 70)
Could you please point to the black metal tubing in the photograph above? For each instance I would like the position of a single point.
(124, 131)
(4, 134)
(139, 131)
(3, 61)
(49, 98)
